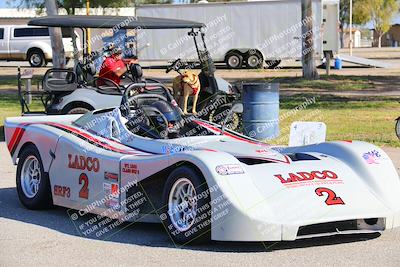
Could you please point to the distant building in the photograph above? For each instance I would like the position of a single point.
(356, 38)
(389, 39)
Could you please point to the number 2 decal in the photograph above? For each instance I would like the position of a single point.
(332, 199)
(84, 192)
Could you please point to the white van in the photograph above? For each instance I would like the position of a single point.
(22, 42)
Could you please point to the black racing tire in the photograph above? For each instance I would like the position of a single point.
(198, 230)
(254, 59)
(398, 128)
(234, 60)
(33, 197)
(36, 58)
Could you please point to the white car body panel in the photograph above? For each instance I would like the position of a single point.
(273, 200)
(89, 96)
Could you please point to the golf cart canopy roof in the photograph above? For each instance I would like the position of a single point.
(124, 22)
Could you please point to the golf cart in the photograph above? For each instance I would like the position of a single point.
(68, 91)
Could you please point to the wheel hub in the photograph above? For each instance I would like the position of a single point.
(182, 204)
(30, 176)
(233, 61)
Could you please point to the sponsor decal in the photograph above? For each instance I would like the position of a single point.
(306, 176)
(62, 191)
(130, 168)
(83, 163)
(228, 169)
(111, 176)
(111, 195)
(372, 157)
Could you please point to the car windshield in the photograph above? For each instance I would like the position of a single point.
(148, 123)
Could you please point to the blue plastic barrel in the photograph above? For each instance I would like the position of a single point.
(261, 110)
(338, 63)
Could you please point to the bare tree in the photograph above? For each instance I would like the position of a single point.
(307, 40)
(55, 37)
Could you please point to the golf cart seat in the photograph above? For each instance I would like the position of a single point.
(85, 73)
(107, 86)
(59, 80)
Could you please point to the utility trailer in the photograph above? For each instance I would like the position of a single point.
(242, 34)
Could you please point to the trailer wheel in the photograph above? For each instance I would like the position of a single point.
(254, 59)
(234, 60)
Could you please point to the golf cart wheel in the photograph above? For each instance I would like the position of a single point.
(77, 107)
(254, 59)
(218, 115)
(36, 58)
(234, 60)
(33, 185)
(78, 110)
(398, 128)
(187, 206)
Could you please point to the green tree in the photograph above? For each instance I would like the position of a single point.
(71, 5)
(381, 13)
(308, 62)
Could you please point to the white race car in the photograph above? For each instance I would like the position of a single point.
(151, 163)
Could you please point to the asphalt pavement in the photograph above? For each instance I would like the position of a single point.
(49, 238)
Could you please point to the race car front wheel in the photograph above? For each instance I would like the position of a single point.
(33, 184)
(187, 210)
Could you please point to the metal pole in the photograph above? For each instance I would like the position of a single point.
(351, 27)
(88, 43)
(28, 86)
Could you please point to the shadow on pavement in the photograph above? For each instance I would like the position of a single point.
(147, 234)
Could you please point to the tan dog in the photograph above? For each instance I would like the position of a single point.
(187, 84)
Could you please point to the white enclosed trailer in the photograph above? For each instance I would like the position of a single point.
(241, 34)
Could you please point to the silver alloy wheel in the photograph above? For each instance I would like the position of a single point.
(30, 176)
(35, 59)
(233, 61)
(253, 61)
(182, 204)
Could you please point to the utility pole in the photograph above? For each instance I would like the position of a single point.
(55, 37)
(307, 41)
(351, 27)
(89, 46)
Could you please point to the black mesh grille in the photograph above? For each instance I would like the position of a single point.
(330, 227)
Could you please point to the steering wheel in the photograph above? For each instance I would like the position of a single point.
(176, 65)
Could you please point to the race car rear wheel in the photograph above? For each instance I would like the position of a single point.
(187, 206)
(33, 185)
